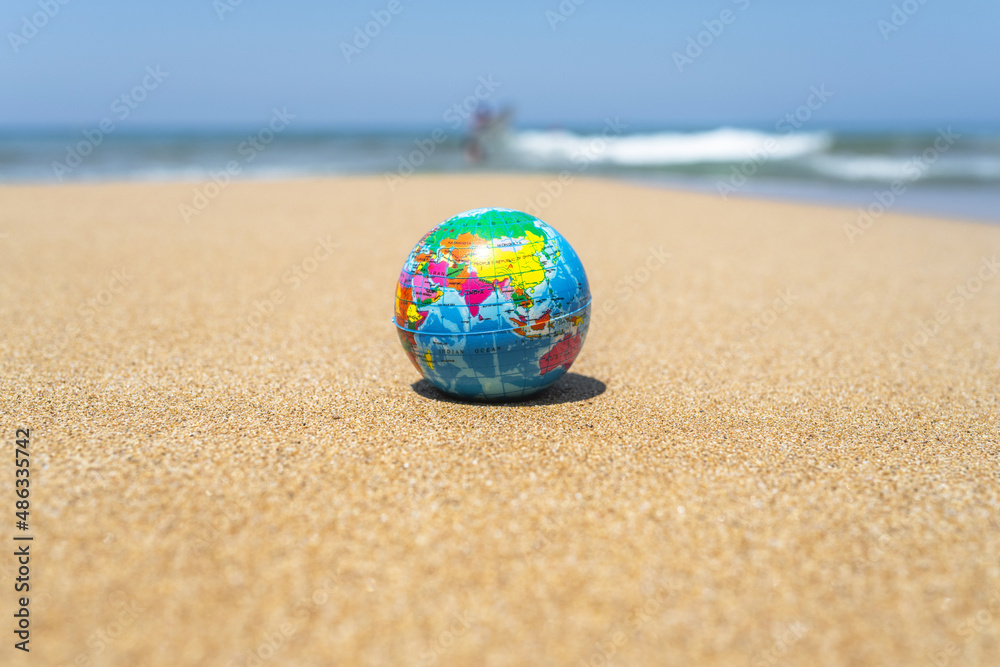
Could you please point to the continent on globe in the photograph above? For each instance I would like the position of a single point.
(563, 354)
(492, 304)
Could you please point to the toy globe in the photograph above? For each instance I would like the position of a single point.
(492, 304)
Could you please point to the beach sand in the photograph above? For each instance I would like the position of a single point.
(768, 453)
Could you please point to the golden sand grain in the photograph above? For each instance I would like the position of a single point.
(769, 453)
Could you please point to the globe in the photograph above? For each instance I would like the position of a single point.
(492, 304)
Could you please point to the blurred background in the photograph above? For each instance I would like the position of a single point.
(862, 103)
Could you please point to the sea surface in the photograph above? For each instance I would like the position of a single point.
(945, 171)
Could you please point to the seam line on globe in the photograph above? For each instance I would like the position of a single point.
(479, 333)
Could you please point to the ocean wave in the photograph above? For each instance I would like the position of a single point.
(907, 168)
(711, 155)
(665, 148)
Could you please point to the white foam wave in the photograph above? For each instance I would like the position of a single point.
(665, 148)
(886, 168)
(861, 168)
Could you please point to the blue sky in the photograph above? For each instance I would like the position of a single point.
(605, 59)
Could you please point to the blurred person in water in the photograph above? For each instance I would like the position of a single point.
(486, 132)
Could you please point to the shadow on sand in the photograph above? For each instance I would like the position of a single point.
(570, 388)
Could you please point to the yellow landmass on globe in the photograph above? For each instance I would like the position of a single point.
(520, 263)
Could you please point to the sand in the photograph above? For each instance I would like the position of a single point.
(780, 448)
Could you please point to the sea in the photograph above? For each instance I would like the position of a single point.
(945, 171)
